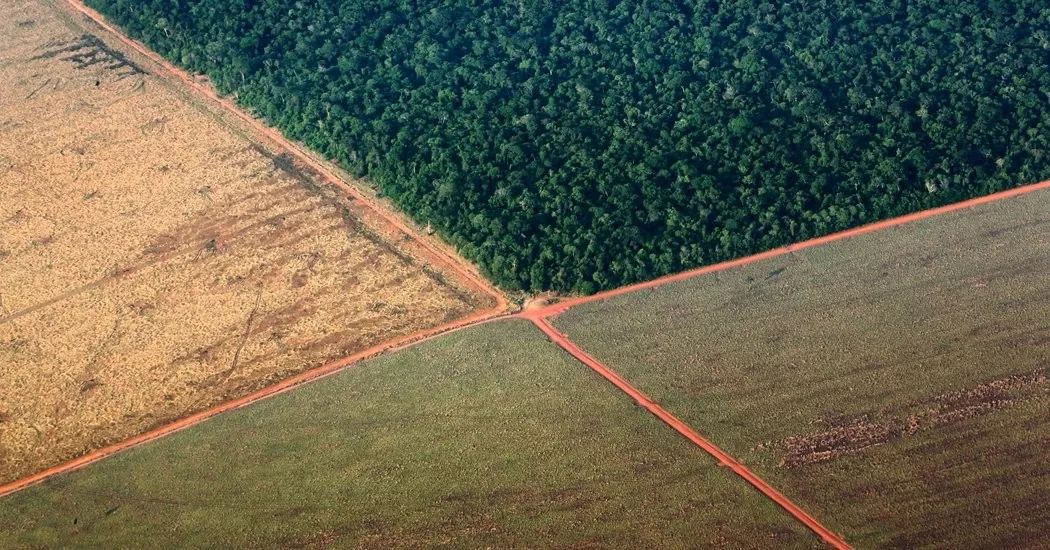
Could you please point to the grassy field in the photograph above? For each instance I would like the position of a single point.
(487, 437)
(156, 259)
(895, 384)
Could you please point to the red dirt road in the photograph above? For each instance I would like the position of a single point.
(438, 252)
(666, 417)
(564, 305)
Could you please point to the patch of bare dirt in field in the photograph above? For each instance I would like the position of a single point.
(154, 260)
(845, 436)
(89, 52)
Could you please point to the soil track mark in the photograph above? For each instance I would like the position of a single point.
(89, 52)
(853, 435)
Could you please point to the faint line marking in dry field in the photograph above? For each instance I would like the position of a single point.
(458, 265)
(244, 339)
(120, 273)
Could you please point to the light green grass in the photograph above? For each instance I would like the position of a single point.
(879, 325)
(486, 437)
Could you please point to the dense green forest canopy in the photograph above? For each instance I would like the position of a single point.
(585, 144)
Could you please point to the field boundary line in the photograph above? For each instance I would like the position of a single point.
(564, 305)
(538, 316)
(437, 251)
(283, 386)
(724, 458)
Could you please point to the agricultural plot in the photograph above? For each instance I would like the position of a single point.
(896, 385)
(490, 437)
(155, 259)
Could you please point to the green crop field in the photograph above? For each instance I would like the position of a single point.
(487, 437)
(894, 384)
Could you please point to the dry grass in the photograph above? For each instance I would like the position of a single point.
(894, 384)
(154, 260)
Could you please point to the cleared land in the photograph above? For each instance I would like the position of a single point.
(897, 384)
(156, 260)
(489, 437)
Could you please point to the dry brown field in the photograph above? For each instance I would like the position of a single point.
(156, 260)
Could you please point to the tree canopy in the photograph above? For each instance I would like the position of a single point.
(584, 144)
